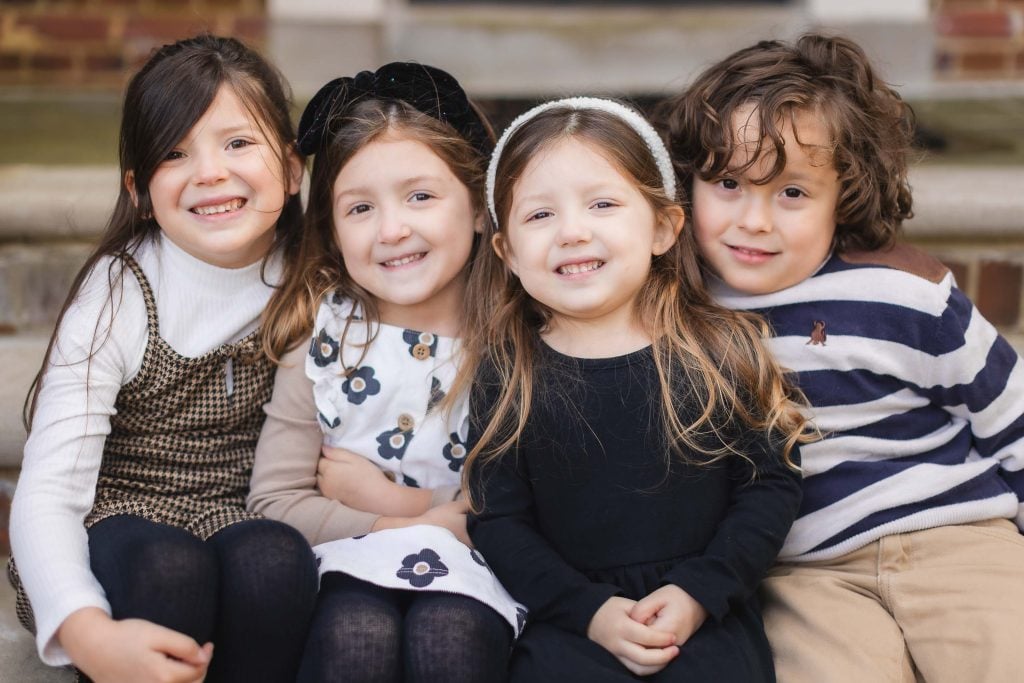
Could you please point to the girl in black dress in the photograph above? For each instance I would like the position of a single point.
(634, 449)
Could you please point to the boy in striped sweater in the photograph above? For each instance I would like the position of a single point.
(906, 559)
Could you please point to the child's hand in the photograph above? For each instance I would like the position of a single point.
(131, 650)
(355, 481)
(671, 609)
(452, 516)
(642, 649)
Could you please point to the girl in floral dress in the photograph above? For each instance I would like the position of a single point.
(367, 329)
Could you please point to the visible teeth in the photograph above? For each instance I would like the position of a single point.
(233, 205)
(402, 261)
(574, 268)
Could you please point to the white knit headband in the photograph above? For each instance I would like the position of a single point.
(635, 121)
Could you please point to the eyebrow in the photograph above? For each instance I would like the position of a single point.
(238, 127)
(408, 182)
(612, 189)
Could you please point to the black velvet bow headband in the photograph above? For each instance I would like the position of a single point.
(427, 89)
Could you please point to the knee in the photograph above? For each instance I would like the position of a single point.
(160, 565)
(268, 560)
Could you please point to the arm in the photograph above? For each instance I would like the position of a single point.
(285, 478)
(747, 541)
(62, 457)
(981, 381)
(357, 482)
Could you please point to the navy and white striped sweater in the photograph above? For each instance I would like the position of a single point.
(920, 400)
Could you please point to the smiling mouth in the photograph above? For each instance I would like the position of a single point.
(746, 251)
(213, 209)
(404, 260)
(577, 268)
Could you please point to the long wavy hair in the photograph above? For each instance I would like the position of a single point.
(705, 355)
(316, 268)
(162, 103)
(870, 127)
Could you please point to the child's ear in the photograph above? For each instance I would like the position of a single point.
(294, 169)
(500, 247)
(478, 223)
(670, 223)
(129, 184)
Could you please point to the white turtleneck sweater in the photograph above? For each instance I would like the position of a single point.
(199, 307)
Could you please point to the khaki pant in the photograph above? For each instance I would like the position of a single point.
(943, 605)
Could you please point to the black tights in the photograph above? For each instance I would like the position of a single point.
(362, 632)
(250, 589)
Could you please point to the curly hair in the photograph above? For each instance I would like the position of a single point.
(869, 124)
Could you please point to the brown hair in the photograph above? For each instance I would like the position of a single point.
(162, 103)
(317, 267)
(710, 354)
(870, 126)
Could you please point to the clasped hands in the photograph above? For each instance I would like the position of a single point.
(645, 635)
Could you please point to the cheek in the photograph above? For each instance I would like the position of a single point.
(702, 234)
(346, 243)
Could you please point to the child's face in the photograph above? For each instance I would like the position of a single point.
(580, 235)
(404, 224)
(763, 238)
(219, 193)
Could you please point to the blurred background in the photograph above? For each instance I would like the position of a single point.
(63, 64)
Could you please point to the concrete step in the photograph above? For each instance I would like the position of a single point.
(19, 662)
(20, 359)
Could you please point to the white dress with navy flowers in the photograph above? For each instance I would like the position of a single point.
(386, 408)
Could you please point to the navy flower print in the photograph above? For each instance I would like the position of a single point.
(360, 384)
(330, 424)
(393, 443)
(477, 557)
(420, 343)
(323, 349)
(420, 569)
(409, 481)
(436, 394)
(454, 452)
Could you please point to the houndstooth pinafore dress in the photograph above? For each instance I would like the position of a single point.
(182, 440)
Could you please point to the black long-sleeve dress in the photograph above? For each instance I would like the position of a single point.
(590, 504)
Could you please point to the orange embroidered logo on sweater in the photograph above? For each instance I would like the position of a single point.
(818, 335)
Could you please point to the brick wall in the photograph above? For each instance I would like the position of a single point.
(979, 39)
(993, 277)
(94, 43)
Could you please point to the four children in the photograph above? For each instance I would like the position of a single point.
(634, 459)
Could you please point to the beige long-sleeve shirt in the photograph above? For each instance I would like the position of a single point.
(283, 483)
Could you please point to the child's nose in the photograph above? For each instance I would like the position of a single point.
(393, 229)
(573, 230)
(210, 168)
(756, 216)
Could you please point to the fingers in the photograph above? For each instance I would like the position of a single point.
(645, 636)
(338, 454)
(181, 647)
(324, 464)
(645, 610)
(647, 657)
